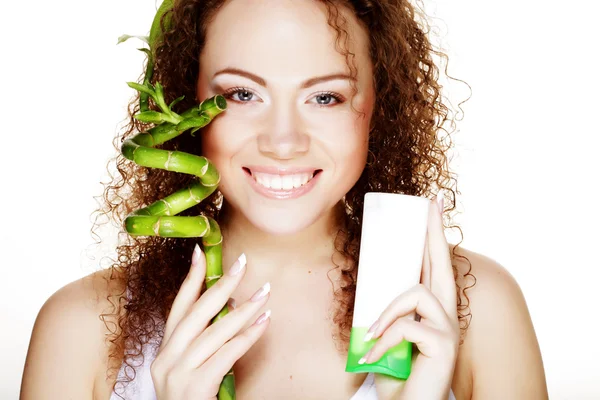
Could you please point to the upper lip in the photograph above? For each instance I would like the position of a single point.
(280, 170)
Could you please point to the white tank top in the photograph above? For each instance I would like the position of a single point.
(142, 387)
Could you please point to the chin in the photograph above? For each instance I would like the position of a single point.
(282, 222)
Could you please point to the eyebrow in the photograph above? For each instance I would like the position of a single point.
(306, 84)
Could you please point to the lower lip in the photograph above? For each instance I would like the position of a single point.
(282, 194)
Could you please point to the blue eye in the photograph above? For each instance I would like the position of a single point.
(245, 95)
(228, 94)
(329, 95)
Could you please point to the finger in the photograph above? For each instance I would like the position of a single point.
(188, 293)
(217, 366)
(425, 337)
(216, 335)
(418, 299)
(426, 269)
(204, 310)
(442, 274)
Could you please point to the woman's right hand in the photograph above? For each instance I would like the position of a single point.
(194, 356)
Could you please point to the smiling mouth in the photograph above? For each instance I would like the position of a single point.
(281, 182)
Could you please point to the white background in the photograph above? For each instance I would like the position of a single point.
(527, 157)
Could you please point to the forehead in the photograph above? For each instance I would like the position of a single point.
(280, 39)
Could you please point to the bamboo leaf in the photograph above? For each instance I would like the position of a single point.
(150, 116)
(158, 89)
(155, 30)
(194, 131)
(177, 100)
(141, 88)
(123, 38)
(147, 51)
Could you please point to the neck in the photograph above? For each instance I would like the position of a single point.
(275, 256)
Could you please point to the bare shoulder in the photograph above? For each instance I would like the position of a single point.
(491, 289)
(68, 339)
(483, 277)
(504, 354)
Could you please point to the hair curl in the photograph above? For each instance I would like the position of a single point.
(405, 156)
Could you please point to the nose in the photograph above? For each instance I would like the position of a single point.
(283, 137)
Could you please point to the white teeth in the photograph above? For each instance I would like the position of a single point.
(275, 182)
(297, 181)
(287, 182)
(279, 182)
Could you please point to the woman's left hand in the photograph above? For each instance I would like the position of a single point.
(436, 335)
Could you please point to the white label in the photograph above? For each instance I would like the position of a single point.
(391, 251)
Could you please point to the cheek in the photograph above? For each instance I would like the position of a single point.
(352, 157)
(222, 138)
(215, 148)
(352, 149)
(348, 136)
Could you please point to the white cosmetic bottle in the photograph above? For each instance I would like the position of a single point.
(390, 261)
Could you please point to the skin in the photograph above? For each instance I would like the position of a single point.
(289, 242)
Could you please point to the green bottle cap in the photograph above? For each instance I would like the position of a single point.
(395, 362)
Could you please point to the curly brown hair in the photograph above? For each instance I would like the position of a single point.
(406, 155)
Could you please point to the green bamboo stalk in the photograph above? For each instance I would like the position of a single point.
(160, 218)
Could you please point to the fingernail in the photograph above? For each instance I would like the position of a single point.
(239, 264)
(440, 201)
(365, 357)
(371, 331)
(263, 317)
(231, 303)
(262, 292)
(196, 254)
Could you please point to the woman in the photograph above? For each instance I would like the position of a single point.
(369, 126)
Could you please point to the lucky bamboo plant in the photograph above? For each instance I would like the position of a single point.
(160, 218)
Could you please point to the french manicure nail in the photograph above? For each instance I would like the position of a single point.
(263, 317)
(440, 201)
(239, 264)
(262, 292)
(365, 357)
(196, 255)
(371, 331)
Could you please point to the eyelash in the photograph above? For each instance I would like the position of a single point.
(230, 92)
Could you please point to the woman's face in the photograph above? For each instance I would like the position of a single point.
(279, 114)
